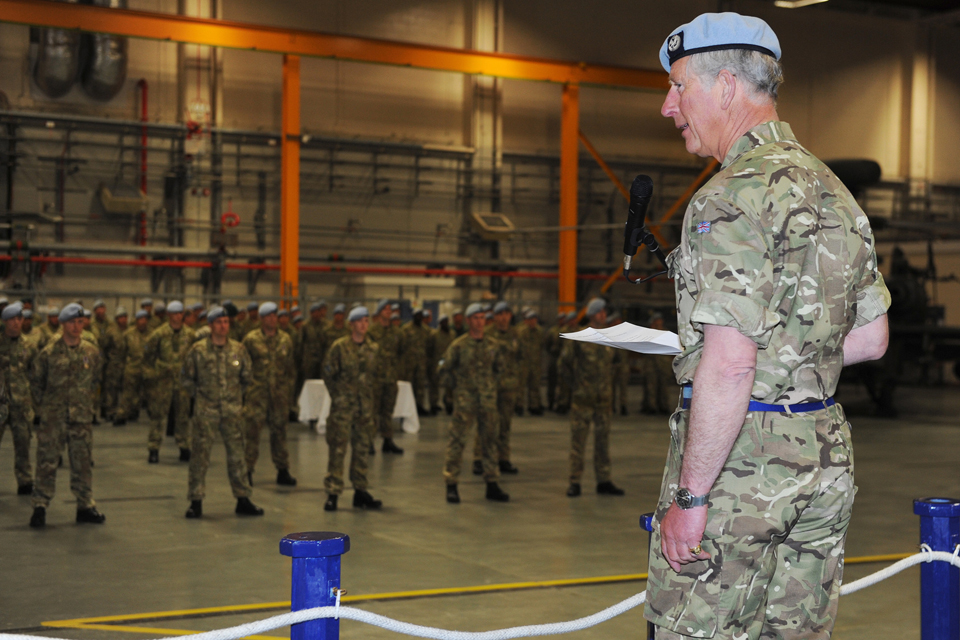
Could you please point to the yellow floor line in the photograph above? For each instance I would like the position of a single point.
(97, 622)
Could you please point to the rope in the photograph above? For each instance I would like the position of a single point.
(554, 628)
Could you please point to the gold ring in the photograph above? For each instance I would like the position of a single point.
(697, 550)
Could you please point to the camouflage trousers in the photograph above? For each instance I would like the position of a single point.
(506, 402)
(434, 383)
(349, 423)
(110, 390)
(660, 386)
(50, 439)
(471, 407)
(384, 400)
(417, 376)
(132, 394)
(528, 393)
(776, 526)
(563, 393)
(168, 401)
(257, 413)
(618, 387)
(20, 429)
(582, 412)
(552, 380)
(205, 428)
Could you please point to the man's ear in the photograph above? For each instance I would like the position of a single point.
(728, 88)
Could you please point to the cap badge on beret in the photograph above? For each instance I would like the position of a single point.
(675, 42)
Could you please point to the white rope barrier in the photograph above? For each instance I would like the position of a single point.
(554, 628)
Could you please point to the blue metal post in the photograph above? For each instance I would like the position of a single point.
(315, 580)
(939, 582)
(646, 523)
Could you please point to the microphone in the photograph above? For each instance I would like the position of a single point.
(640, 192)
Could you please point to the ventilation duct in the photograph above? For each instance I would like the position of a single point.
(58, 60)
(106, 66)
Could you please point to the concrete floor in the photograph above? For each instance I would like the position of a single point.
(148, 558)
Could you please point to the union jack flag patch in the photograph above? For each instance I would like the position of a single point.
(703, 227)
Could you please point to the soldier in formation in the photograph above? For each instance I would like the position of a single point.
(388, 339)
(508, 381)
(134, 385)
(215, 372)
(443, 337)
(162, 358)
(415, 336)
(531, 346)
(112, 350)
(16, 360)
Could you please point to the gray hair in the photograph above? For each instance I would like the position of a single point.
(763, 73)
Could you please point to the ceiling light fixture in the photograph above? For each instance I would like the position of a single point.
(796, 4)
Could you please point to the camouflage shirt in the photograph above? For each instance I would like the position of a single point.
(216, 376)
(16, 361)
(273, 372)
(531, 341)
(64, 381)
(471, 364)
(349, 369)
(776, 247)
(133, 341)
(587, 368)
(512, 354)
(390, 340)
(163, 353)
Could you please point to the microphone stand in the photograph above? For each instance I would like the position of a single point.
(653, 247)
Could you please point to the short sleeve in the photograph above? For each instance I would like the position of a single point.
(873, 299)
(733, 270)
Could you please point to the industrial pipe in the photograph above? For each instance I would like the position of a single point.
(58, 60)
(106, 64)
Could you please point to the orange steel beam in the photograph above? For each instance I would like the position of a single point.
(569, 156)
(240, 35)
(290, 181)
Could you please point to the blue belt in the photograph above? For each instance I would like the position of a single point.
(763, 406)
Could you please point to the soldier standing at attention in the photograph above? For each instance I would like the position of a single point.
(253, 317)
(267, 400)
(507, 384)
(49, 328)
(433, 357)
(64, 385)
(26, 329)
(587, 368)
(16, 360)
(471, 366)
(283, 324)
(777, 288)
(111, 348)
(338, 327)
(443, 337)
(159, 316)
(314, 342)
(415, 359)
(162, 358)
(388, 341)
(551, 340)
(531, 348)
(620, 379)
(458, 327)
(134, 385)
(100, 323)
(215, 371)
(349, 371)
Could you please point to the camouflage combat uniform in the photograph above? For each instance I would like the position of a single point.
(215, 376)
(777, 248)
(112, 350)
(508, 382)
(414, 363)
(16, 361)
(134, 389)
(621, 380)
(314, 345)
(552, 344)
(471, 368)
(587, 368)
(528, 391)
(441, 340)
(267, 400)
(388, 340)
(349, 371)
(64, 385)
(659, 385)
(162, 358)
(295, 340)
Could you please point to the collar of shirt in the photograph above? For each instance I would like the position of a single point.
(766, 133)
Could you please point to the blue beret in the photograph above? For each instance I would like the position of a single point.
(141, 314)
(295, 309)
(319, 304)
(27, 314)
(500, 307)
(381, 305)
(216, 312)
(12, 311)
(160, 308)
(99, 303)
(4, 300)
(202, 315)
(297, 318)
(197, 306)
(457, 312)
(146, 301)
(531, 313)
(267, 308)
(280, 313)
(71, 312)
(226, 302)
(476, 307)
(53, 311)
(595, 306)
(717, 31)
(252, 306)
(357, 313)
(175, 307)
(119, 311)
(340, 308)
(87, 313)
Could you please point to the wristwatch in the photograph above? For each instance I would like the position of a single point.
(686, 500)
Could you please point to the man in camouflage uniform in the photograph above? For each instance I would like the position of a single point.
(134, 388)
(100, 323)
(349, 371)
(508, 382)
(777, 289)
(620, 380)
(49, 328)
(551, 342)
(215, 372)
(27, 330)
(659, 385)
(111, 348)
(458, 326)
(314, 343)
(162, 358)
(337, 328)
(414, 360)
(16, 360)
(587, 369)
(531, 344)
(389, 344)
(64, 385)
(253, 318)
(443, 337)
(471, 366)
(283, 324)
(267, 401)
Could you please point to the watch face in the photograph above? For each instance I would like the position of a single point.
(684, 499)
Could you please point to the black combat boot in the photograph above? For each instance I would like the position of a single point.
(495, 493)
(448, 407)
(610, 489)
(247, 508)
(363, 500)
(154, 456)
(184, 455)
(119, 422)
(573, 490)
(453, 496)
(477, 468)
(25, 489)
(90, 515)
(39, 518)
(372, 451)
(506, 467)
(536, 412)
(389, 446)
(331, 503)
(196, 509)
(284, 478)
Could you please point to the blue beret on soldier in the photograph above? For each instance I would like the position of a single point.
(267, 308)
(316, 306)
(340, 308)
(87, 313)
(202, 315)
(500, 307)
(197, 306)
(12, 311)
(252, 306)
(381, 305)
(716, 32)
(27, 314)
(281, 313)
(53, 311)
(71, 312)
(141, 314)
(160, 308)
(295, 309)
(476, 307)
(99, 303)
(216, 312)
(595, 306)
(120, 311)
(146, 302)
(356, 313)
(297, 317)
(175, 307)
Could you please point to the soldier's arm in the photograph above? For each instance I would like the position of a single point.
(38, 378)
(331, 368)
(246, 368)
(150, 356)
(188, 372)
(868, 342)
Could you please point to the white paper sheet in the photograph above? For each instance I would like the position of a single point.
(630, 337)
